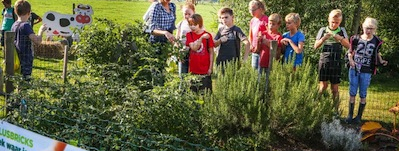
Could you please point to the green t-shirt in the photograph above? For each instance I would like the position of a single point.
(8, 19)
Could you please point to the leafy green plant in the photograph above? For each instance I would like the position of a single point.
(107, 46)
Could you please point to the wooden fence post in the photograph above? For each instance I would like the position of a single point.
(273, 49)
(9, 57)
(64, 71)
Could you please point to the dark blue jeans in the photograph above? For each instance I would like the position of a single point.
(26, 61)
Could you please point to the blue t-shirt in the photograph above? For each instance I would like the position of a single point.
(289, 51)
(22, 41)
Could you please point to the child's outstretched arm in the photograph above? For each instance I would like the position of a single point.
(37, 39)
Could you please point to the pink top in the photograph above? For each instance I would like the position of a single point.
(257, 25)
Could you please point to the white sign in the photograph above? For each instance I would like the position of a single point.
(60, 24)
(14, 138)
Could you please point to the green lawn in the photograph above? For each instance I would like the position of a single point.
(121, 11)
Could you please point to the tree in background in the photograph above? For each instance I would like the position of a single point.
(314, 14)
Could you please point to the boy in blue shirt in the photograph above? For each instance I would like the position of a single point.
(24, 37)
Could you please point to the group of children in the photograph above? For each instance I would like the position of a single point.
(363, 49)
(200, 44)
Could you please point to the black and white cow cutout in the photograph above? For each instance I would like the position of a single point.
(62, 24)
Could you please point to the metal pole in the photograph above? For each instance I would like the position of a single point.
(64, 71)
(9, 57)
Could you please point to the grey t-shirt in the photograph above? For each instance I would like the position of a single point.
(332, 49)
(231, 48)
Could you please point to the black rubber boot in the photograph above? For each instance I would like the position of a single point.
(350, 115)
(358, 118)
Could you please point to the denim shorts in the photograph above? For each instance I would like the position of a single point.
(255, 60)
(358, 80)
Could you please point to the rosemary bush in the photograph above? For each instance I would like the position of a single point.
(297, 110)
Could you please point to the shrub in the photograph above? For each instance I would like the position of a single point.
(106, 46)
(111, 115)
(297, 110)
(337, 137)
(235, 113)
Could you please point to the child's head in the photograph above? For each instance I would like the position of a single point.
(195, 21)
(274, 22)
(22, 7)
(226, 16)
(188, 9)
(334, 19)
(292, 21)
(369, 26)
(256, 8)
(6, 3)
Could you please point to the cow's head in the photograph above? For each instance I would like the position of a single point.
(83, 14)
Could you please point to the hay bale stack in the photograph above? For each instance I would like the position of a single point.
(49, 49)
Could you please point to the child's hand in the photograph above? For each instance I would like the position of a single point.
(223, 38)
(338, 38)
(42, 29)
(259, 35)
(384, 62)
(209, 71)
(352, 63)
(327, 35)
(205, 36)
(285, 41)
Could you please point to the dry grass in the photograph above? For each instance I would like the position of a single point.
(49, 49)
